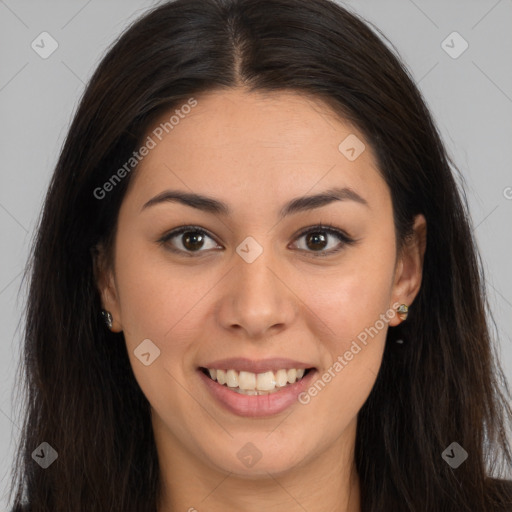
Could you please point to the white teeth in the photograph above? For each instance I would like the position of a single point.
(247, 380)
(265, 381)
(249, 383)
(281, 378)
(232, 378)
(221, 376)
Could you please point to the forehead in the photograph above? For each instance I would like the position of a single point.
(269, 146)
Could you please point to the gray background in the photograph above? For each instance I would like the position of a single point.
(470, 97)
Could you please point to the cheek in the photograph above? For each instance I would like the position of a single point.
(160, 303)
(351, 296)
(351, 306)
(157, 300)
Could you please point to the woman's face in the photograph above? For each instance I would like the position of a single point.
(251, 292)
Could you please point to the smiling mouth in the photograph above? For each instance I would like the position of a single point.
(249, 383)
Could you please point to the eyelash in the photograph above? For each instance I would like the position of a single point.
(322, 228)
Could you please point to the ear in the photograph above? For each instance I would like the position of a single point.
(105, 282)
(409, 267)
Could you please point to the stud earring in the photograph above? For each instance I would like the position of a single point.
(107, 316)
(402, 311)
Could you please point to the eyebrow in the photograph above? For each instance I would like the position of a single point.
(299, 204)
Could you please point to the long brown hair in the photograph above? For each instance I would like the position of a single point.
(442, 384)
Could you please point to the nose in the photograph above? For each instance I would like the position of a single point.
(258, 300)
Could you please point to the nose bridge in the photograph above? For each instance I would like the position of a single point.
(259, 299)
(255, 271)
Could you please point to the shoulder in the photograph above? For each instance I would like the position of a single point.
(501, 493)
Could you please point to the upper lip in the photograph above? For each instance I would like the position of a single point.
(256, 366)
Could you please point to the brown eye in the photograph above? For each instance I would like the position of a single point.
(318, 238)
(192, 240)
(188, 240)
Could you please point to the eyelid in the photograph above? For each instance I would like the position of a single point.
(344, 238)
(328, 228)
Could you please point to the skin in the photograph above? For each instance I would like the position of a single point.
(256, 152)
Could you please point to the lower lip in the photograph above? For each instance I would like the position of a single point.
(257, 405)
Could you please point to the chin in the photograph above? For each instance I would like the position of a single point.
(257, 458)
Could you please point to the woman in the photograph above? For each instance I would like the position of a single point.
(234, 302)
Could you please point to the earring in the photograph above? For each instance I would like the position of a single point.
(402, 311)
(107, 316)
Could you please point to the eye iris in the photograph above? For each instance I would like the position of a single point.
(317, 239)
(190, 241)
